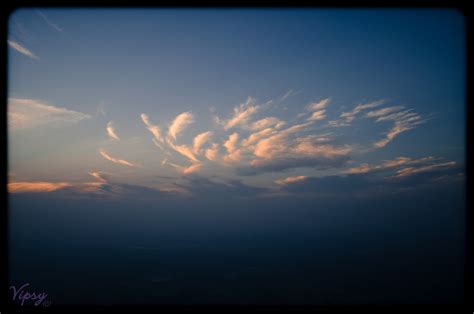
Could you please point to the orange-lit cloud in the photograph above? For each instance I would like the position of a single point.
(179, 124)
(154, 129)
(36, 187)
(290, 180)
(212, 152)
(231, 143)
(116, 160)
(111, 131)
(242, 114)
(200, 140)
(266, 123)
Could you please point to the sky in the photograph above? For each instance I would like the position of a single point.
(271, 108)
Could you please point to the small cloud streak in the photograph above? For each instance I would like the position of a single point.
(116, 160)
(388, 164)
(31, 113)
(290, 180)
(98, 176)
(349, 116)
(317, 115)
(403, 122)
(413, 170)
(320, 105)
(22, 50)
(111, 131)
(185, 170)
(48, 21)
(242, 114)
(184, 150)
(266, 123)
(154, 129)
(36, 187)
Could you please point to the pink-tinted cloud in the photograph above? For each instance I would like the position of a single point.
(116, 160)
(289, 180)
(111, 131)
(179, 124)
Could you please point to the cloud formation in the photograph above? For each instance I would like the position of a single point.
(200, 140)
(111, 131)
(403, 121)
(289, 180)
(179, 124)
(36, 187)
(31, 113)
(241, 114)
(48, 21)
(22, 50)
(116, 160)
(154, 129)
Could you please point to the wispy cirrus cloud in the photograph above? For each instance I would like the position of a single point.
(253, 145)
(432, 167)
(241, 114)
(179, 124)
(182, 169)
(349, 116)
(403, 121)
(21, 49)
(388, 164)
(111, 131)
(36, 187)
(184, 150)
(154, 129)
(116, 160)
(49, 22)
(289, 180)
(31, 113)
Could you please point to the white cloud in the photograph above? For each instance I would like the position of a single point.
(48, 21)
(31, 113)
(383, 112)
(319, 105)
(388, 164)
(22, 49)
(349, 116)
(414, 170)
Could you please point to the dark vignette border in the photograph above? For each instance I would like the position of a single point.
(467, 306)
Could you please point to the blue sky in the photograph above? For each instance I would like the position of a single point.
(114, 65)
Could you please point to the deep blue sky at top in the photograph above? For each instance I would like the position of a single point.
(167, 61)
